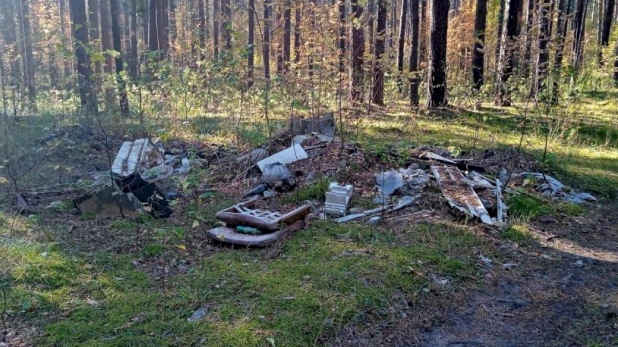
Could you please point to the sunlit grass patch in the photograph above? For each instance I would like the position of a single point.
(518, 233)
(525, 208)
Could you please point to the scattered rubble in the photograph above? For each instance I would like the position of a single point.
(161, 176)
(551, 187)
(309, 151)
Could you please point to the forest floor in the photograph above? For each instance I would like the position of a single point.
(71, 279)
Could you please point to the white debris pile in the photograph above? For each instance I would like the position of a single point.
(551, 187)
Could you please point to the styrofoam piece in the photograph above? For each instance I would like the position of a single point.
(288, 155)
(337, 199)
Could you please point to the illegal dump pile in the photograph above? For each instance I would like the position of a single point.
(306, 173)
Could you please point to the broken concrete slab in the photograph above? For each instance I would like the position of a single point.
(105, 203)
(161, 176)
(129, 157)
(337, 199)
(459, 194)
(288, 155)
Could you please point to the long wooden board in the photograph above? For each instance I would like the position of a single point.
(229, 235)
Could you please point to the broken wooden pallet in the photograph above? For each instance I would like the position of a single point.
(245, 214)
(459, 193)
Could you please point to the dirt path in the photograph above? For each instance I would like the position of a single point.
(557, 292)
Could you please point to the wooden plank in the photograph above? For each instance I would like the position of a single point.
(500, 203)
(229, 235)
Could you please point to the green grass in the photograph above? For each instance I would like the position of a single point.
(325, 277)
(302, 291)
(517, 233)
(525, 208)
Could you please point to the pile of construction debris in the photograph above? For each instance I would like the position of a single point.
(138, 181)
(142, 179)
(464, 187)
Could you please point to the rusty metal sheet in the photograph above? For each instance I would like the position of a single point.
(459, 193)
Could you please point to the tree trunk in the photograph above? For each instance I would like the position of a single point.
(545, 15)
(215, 27)
(378, 53)
(266, 40)
(162, 28)
(145, 15)
(93, 18)
(226, 24)
(10, 43)
(51, 52)
(133, 59)
(562, 24)
(392, 24)
(30, 63)
(117, 38)
(424, 35)
(297, 29)
(414, 51)
(67, 62)
(106, 34)
(436, 78)
(478, 50)
(358, 51)
(126, 25)
(401, 44)
(608, 16)
(525, 69)
(371, 14)
(287, 34)
(578, 35)
(250, 43)
(600, 5)
(153, 40)
(3, 82)
(172, 23)
(202, 24)
(500, 20)
(80, 41)
(616, 65)
(341, 38)
(507, 53)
